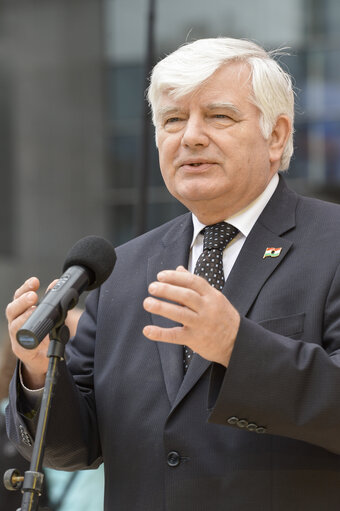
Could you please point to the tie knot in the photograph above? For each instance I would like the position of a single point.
(218, 235)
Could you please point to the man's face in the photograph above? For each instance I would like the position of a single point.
(213, 156)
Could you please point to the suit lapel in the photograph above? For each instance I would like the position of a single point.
(174, 251)
(197, 367)
(251, 269)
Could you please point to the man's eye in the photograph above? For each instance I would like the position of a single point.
(172, 119)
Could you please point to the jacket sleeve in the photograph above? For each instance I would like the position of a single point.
(72, 440)
(280, 385)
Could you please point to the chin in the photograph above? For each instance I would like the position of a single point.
(197, 193)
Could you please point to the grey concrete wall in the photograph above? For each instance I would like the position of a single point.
(51, 53)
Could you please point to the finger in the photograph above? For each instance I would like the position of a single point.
(171, 335)
(181, 295)
(20, 320)
(72, 320)
(184, 279)
(171, 311)
(20, 305)
(181, 268)
(31, 284)
(52, 285)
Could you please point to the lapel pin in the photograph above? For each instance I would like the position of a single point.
(272, 252)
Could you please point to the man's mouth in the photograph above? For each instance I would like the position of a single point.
(190, 163)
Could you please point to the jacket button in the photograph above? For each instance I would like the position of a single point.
(252, 426)
(242, 423)
(173, 459)
(261, 429)
(232, 420)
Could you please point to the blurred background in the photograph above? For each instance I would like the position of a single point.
(77, 153)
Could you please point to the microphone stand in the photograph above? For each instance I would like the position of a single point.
(32, 483)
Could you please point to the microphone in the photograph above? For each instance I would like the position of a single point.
(88, 264)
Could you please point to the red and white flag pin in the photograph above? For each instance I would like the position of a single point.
(272, 252)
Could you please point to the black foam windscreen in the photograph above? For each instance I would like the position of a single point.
(95, 254)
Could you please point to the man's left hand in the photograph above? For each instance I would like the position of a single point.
(209, 321)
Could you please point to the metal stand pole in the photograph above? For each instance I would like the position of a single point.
(33, 481)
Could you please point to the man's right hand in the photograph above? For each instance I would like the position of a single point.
(35, 362)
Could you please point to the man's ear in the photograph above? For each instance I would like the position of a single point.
(279, 137)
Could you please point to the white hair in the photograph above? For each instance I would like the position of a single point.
(189, 66)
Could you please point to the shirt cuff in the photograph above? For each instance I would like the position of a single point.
(33, 397)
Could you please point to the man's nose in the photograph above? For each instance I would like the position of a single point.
(195, 133)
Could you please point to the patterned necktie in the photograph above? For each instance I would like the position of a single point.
(210, 263)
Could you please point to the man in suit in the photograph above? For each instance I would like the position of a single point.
(252, 417)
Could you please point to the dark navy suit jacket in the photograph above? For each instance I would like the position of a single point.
(263, 434)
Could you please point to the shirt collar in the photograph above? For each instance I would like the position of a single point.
(245, 219)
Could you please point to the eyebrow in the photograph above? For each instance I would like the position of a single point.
(166, 110)
(225, 106)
